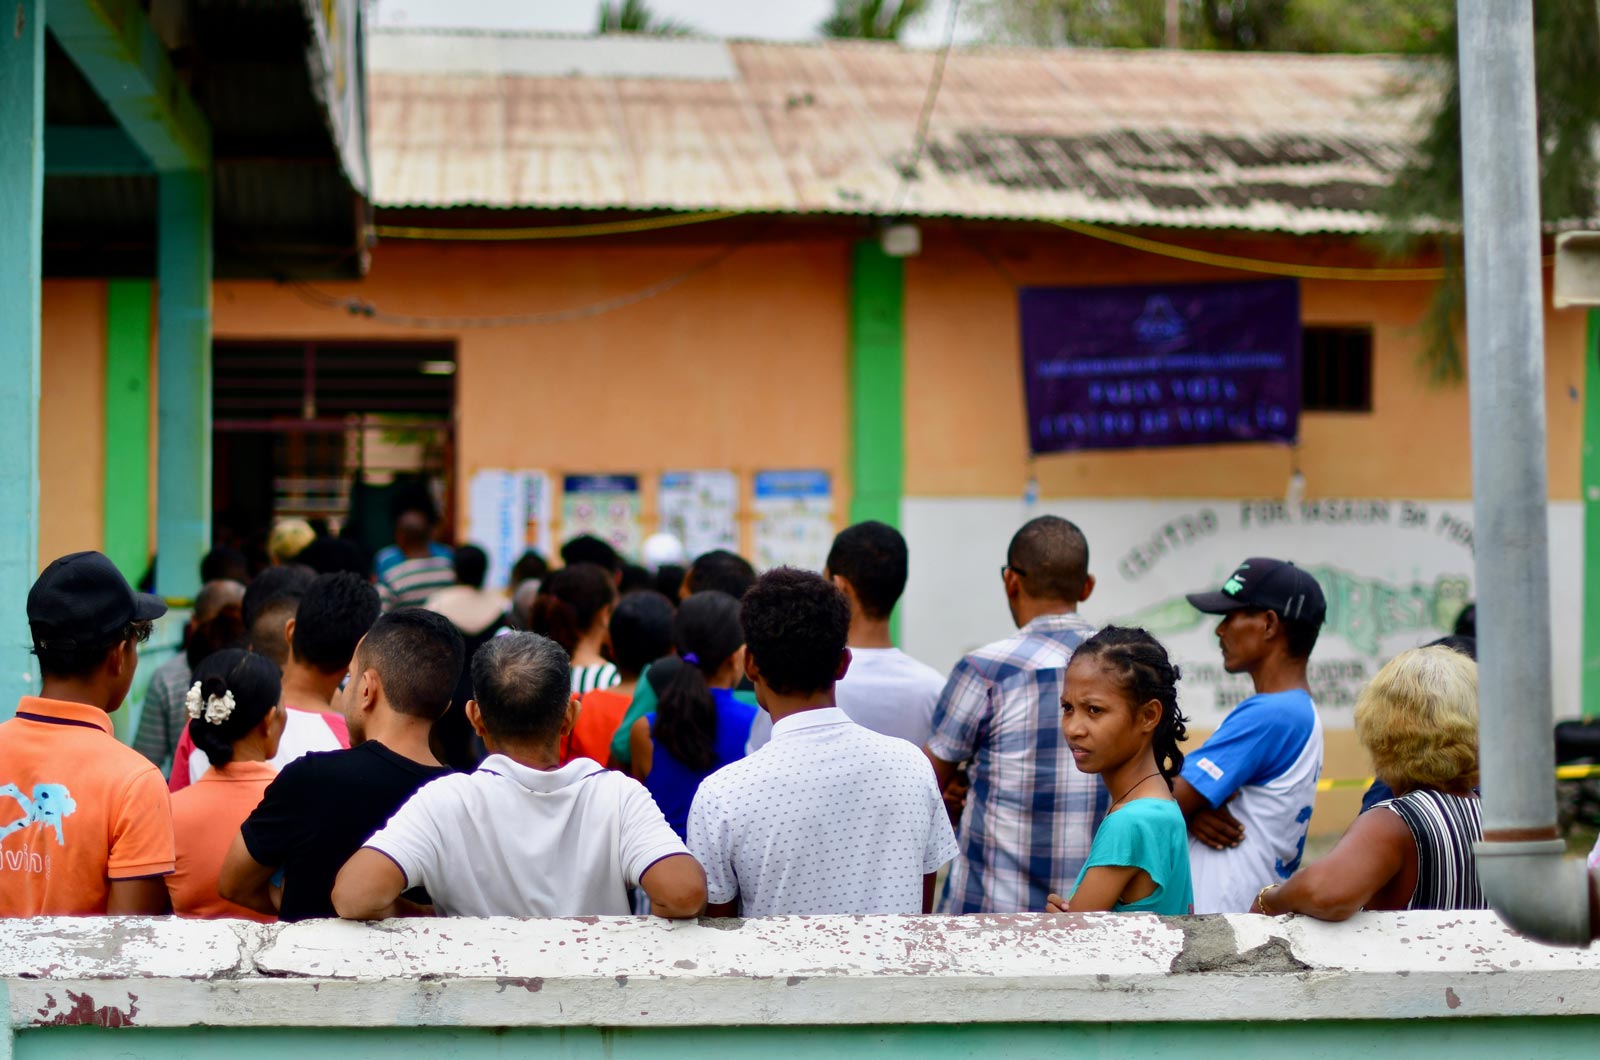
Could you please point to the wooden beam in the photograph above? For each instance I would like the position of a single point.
(92, 151)
(112, 43)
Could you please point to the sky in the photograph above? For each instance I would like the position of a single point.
(769, 19)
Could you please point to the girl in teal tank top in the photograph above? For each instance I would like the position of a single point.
(1119, 714)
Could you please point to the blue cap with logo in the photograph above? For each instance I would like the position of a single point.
(1261, 584)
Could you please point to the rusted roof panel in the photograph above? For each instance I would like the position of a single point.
(1182, 139)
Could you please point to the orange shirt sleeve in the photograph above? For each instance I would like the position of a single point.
(141, 829)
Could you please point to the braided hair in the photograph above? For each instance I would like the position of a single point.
(1145, 673)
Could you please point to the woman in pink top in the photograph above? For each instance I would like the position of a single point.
(235, 718)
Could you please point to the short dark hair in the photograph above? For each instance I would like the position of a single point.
(330, 555)
(641, 630)
(265, 634)
(224, 564)
(796, 625)
(872, 557)
(1051, 557)
(529, 566)
(522, 683)
(570, 601)
(83, 660)
(586, 548)
(418, 656)
(669, 579)
(721, 571)
(291, 579)
(256, 684)
(1300, 636)
(334, 614)
(1467, 622)
(472, 566)
(635, 579)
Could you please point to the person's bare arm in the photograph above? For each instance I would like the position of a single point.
(245, 881)
(929, 882)
(1216, 828)
(142, 897)
(369, 886)
(722, 909)
(944, 772)
(1102, 886)
(640, 750)
(1337, 887)
(676, 886)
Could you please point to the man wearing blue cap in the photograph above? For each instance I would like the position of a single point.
(1247, 792)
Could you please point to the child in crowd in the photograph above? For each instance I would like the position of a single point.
(1119, 714)
(828, 817)
(524, 835)
(573, 609)
(235, 718)
(698, 726)
(641, 633)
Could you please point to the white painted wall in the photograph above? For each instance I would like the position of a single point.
(1382, 562)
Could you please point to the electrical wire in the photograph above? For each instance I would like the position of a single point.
(909, 172)
(604, 228)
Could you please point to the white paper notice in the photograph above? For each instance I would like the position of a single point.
(701, 509)
(497, 520)
(794, 519)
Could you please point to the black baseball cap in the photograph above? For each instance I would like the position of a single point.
(82, 600)
(1263, 584)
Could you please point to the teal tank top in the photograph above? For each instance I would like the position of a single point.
(1148, 834)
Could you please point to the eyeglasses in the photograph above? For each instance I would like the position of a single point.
(1018, 571)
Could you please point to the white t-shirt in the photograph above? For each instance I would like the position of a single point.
(829, 817)
(1266, 757)
(884, 690)
(304, 731)
(509, 840)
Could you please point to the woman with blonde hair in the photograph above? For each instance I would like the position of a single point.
(1418, 719)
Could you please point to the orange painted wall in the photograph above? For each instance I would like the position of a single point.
(965, 427)
(72, 418)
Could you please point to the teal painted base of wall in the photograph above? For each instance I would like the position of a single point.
(1464, 1039)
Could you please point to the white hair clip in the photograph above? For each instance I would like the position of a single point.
(214, 709)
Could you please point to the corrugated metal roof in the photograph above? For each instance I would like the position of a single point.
(1185, 139)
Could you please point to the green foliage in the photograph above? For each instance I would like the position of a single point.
(871, 19)
(635, 16)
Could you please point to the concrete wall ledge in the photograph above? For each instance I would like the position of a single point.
(644, 972)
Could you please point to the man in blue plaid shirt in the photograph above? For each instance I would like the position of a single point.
(1030, 815)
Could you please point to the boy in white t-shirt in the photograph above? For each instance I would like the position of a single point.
(524, 835)
(886, 690)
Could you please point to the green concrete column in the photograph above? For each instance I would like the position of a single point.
(127, 441)
(1591, 519)
(21, 230)
(877, 384)
(183, 460)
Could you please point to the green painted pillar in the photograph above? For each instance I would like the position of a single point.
(877, 384)
(1591, 519)
(183, 455)
(21, 231)
(127, 441)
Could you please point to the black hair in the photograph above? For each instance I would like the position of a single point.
(418, 656)
(641, 630)
(1145, 672)
(570, 602)
(224, 564)
(669, 579)
(1467, 622)
(223, 629)
(1467, 646)
(796, 625)
(522, 683)
(266, 633)
(471, 565)
(256, 685)
(291, 579)
(529, 566)
(414, 498)
(332, 555)
(707, 632)
(83, 660)
(334, 614)
(586, 548)
(872, 557)
(1300, 636)
(722, 571)
(635, 579)
(1051, 557)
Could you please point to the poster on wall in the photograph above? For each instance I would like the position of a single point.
(1174, 364)
(541, 510)
(700, 509)
(497, 519)
(606, 506)
(794, 519)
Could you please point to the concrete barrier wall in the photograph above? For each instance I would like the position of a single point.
(1432, 984)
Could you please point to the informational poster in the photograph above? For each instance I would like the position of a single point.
(541, 511)
(498, 516)
(700, 509)
(1174, 364)
(606, 506)
(794, 519)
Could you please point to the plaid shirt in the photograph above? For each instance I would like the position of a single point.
(1030, 815)
(164, 716)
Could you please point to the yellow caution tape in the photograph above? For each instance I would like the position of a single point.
(1362, 783)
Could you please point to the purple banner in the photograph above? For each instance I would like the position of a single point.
(1175, 364)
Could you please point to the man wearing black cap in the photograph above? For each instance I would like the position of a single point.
(85, 826)
(1247, 792)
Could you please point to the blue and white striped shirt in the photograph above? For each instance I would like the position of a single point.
(1030, 816)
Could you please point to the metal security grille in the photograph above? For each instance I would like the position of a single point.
(1336, 370)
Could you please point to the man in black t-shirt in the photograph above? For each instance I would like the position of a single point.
(323, 806)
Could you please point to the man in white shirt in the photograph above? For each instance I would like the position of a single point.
(524, 835)
(886, 690)
(829, 817)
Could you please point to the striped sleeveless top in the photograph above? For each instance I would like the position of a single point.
(1444, 827)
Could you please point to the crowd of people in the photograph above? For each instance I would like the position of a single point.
(341, 737)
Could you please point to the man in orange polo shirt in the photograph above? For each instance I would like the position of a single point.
(85, 825)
